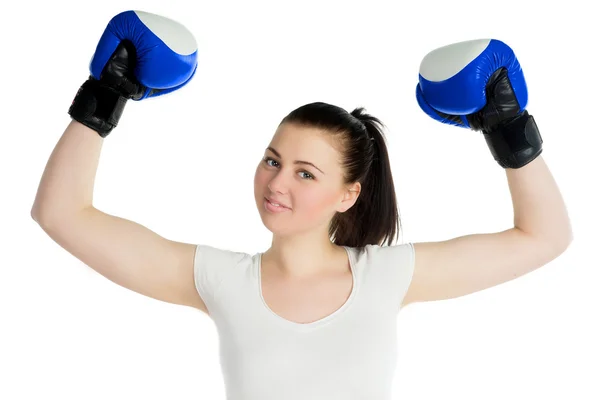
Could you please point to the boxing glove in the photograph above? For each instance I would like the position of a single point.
(479, 85)
(140, 55)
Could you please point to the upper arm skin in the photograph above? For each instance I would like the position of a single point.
(467, 264)
(129, 255)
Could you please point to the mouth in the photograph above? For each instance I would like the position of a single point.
(276, 205)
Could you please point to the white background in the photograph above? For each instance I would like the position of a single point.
(183, 165)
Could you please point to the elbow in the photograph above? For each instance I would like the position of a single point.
(565, 245)
(35, 213)
(45, 216)
(40, 209)
(48, 217)
(560, 243)
(40, 217)
(563, 241)
(554, 244)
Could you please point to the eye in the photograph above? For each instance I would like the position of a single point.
(267, 159)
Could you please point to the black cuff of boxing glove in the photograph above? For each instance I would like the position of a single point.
(97, 106)
(516, 142)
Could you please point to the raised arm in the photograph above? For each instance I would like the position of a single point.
(123, 251)
(480, 85)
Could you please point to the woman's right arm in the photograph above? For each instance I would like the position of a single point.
(123, 251)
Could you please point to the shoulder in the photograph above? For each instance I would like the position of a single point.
(212, 264)
(386, 254)
(389, 268)
(392, 261)
(211, 254)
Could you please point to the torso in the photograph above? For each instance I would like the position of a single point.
(310, 300)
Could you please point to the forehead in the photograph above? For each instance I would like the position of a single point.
(305, 143)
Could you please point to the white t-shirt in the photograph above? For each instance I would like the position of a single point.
(348, 355)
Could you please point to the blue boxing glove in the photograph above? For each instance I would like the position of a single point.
(139, 55)
(479, 84)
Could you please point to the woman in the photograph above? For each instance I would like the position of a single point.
(314, 316)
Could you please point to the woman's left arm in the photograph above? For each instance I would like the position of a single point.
(541, 230)
(467, 264)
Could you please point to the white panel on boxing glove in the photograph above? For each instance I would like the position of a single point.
(171, 32)
(445, 62)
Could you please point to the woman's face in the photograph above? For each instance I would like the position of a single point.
(301, 171)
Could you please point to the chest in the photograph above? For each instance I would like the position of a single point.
(306, 302)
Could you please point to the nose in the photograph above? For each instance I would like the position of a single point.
(278, 183)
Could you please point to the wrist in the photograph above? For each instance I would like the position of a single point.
(515, 142)
(97, 106)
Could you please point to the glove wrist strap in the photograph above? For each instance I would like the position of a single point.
(515, 143)
(97, 106)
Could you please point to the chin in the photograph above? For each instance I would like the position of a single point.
(274, 227)
(274, 223)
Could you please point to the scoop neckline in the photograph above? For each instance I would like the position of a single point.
(310, 325)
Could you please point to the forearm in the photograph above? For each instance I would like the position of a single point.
(67, 183)
(539, 209)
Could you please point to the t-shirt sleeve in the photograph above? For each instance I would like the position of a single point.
(398, 264)
(211, 266)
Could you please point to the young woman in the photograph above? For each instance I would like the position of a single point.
(314, 316)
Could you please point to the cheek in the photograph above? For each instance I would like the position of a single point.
(315, 203)
(260, 179)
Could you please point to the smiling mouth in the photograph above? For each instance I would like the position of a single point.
(277, 205)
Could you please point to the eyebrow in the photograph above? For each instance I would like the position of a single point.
(295, 162)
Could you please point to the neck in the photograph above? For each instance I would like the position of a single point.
(302, 257)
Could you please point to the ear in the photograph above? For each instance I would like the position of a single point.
(350, 196)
